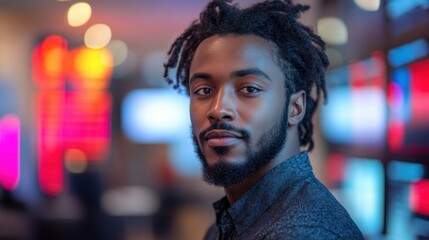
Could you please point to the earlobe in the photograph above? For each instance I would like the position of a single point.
(297, 106)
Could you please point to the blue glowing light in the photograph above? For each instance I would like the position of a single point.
(398, 8)
(363, 194)
(408, 53)
(184, 159)
(401, 103)
(155, 116)
(355, 116)
(404, 171)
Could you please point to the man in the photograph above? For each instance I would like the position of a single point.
(254, 77)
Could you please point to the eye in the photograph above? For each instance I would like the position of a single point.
(204, 91)
(249, 90)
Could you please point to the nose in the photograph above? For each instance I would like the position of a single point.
(222, 107)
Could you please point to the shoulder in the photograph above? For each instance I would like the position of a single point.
(212, 233)
(311, 212)
(308, 233)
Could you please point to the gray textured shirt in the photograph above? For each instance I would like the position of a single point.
(287, 203)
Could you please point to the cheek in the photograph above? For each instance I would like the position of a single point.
(265, 114)
(197, 115)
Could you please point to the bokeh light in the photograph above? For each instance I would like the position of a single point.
(90, 68)
(147, 116)
(75, 160)
(98, 36)
(130, 201)
(48, 63)
(79, 14)
(119, 50)
(333, 30)
(368, 5)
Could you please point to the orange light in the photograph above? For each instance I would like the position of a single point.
(90, 68)
(75, 160)
(47, 63)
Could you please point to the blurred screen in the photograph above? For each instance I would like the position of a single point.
(360, 189)
(408, 95)
(403, 222)
(356, 113)
(155, 116)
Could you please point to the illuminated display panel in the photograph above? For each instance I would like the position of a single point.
(86, 123)
(357, 109)
(408, 95)
(406, 15)
(358, 183)
(72, 109)
(407, 200)
(155, 116)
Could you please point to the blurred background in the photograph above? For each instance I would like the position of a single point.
(95, 145)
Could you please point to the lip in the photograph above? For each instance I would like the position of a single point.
(222, 138)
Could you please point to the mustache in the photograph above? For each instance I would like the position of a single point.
(224, 126)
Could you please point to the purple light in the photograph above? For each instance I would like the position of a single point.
(9, 152)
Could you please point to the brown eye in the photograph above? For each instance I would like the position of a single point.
(249, 90)
(204, 91)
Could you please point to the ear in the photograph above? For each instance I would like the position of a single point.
(297, 106)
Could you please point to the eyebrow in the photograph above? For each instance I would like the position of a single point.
(251, 71)
(240, 73)
(200, 75)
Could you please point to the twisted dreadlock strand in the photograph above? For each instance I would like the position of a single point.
(300, 52)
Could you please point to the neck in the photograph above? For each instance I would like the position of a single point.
(291, 148)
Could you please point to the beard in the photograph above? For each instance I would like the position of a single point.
(226, 174)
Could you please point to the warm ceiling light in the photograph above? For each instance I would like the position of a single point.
(78, 14)
(98, 36)
(332, 30)
(368, 5)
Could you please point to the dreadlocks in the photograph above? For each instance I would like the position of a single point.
(300, 52)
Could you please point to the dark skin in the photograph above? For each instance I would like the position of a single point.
(236, 79)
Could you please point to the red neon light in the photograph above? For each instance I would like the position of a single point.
(420, 92)
(86, 124)
(419, 197)
(395, 135)
(369, 73)
(9, 152)
(358, 76)
(379, 68)
(336, 167)
(47, 63)
(50, 107)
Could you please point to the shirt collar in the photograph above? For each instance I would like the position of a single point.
(246, 210)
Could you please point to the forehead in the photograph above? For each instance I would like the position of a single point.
(233, 52)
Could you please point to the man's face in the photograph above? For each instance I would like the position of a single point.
(238, 106)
